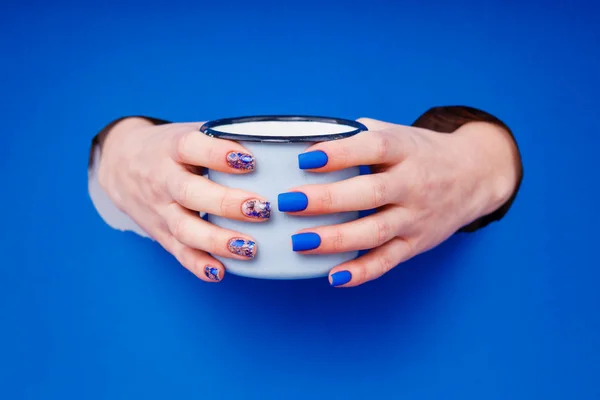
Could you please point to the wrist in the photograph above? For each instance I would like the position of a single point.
(490, 160)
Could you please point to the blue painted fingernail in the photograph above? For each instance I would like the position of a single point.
(241, 247)
(305, 241)
(312, 159)
(292, 201)
(241, 161)
(340, 278)
(212, 273)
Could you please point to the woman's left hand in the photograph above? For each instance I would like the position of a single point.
(424, 185)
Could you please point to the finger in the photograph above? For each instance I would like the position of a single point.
(198, 193)
(361, 234)
(197, 262)
(191, 230)
(371, 265)
(363, 192)
(195, 148)
(383, 147)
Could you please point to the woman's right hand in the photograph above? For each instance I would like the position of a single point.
(151, 172)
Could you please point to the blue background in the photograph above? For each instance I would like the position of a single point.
(508, 312)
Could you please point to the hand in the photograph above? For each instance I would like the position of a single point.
(425, 186)
(151, 173)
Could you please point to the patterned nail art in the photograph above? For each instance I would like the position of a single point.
(241, 161)
(212, 273)
(257, 209)
(241, 247)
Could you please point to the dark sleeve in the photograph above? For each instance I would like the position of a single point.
(98, 140)
(449, 119)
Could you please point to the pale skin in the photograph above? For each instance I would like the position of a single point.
(425, 186)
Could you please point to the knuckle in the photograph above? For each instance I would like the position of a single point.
(384, 263)
(411, 248)
(383, 231)
(326, 199)
(337, 244)
(169, 242)
(181, 229)
(181, 146)
(183, 191)
(156, 189)
(158, 186)
(361, 274)
(380, 192)
(382, 145)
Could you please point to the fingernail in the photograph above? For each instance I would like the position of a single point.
(340, 278)
(292, 201)
(240, 160)
(305, 241)
(312, 159)
(242, 247)
(212, 273)
(255, 208)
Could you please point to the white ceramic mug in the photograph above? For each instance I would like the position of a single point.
(275, 142)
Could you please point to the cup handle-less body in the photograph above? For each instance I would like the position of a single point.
(275, 141)
(276, 172)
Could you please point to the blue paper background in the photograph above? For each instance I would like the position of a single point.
(90, 313)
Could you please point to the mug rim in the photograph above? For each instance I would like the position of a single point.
(208, 128)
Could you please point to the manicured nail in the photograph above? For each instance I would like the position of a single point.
(292, 201)
(305, 241)
(255, 208)
(241, 161)
(312, 159)
(340, 278)
(242, 247)
(212, 273)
